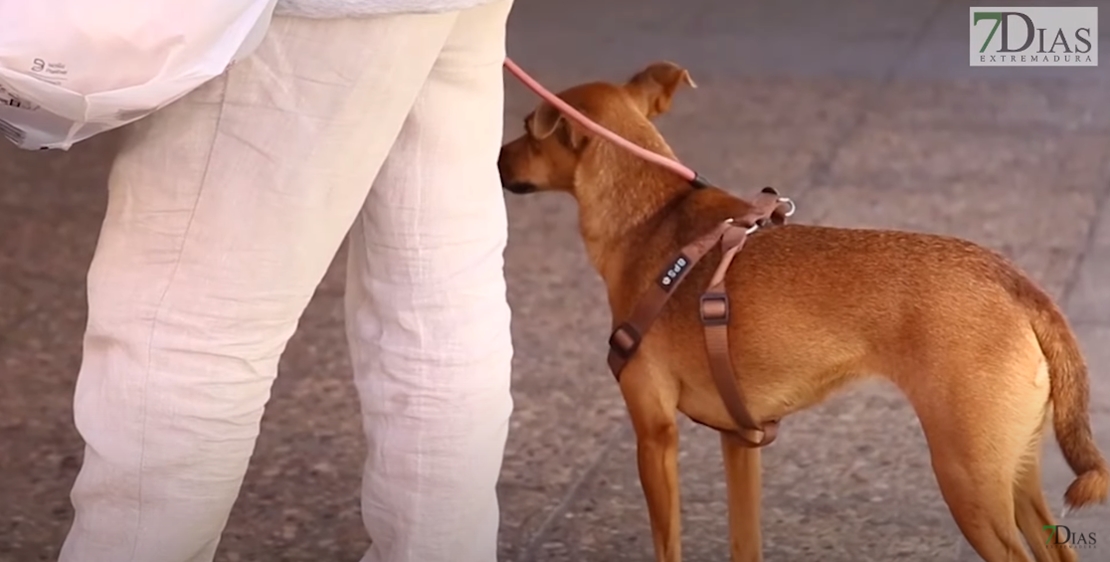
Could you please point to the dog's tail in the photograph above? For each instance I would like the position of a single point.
(1070, 395)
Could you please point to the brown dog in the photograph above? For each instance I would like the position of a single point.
(983, 355)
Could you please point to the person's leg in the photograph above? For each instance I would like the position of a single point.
(427, 316)
(224, 212)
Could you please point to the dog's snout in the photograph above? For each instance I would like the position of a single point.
(501, 164)
(508, 182)
(519, 188)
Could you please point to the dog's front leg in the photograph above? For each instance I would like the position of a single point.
(652, 405)
(743, 474)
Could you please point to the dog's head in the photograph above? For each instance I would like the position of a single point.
(555, 153)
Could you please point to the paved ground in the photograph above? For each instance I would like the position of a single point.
(864, 110)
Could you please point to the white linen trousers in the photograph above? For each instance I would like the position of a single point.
(224, 212)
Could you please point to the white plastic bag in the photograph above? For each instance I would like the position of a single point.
(71, 69)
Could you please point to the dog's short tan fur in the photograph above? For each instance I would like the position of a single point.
(983, 355)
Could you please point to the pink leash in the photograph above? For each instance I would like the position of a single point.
(563, 106)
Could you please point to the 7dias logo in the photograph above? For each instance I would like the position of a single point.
(1061, 536)
(1034, 37)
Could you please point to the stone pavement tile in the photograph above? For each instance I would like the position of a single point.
(1045, 245)
(1018, 215)
(1101, 236)
(1028, 108)
(944, 51)
(927, 157)
(1052, 268)
(730, 106)
(949, 59)
(740, 38)
(799, 18)
(750, 159)
(872, 496)
(722, 106)
(11, 297)
(1095, 342)
(54, 178)
(1089, 301)
(23, 298)
(958, 11)
(727, 53)
(14, 302)
(805, 19)
(56, 243)
(744, 136)
(41, 451)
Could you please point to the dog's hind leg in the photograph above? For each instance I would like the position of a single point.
(652, 403)
(978, 425)
(979, 494)
(981, 396)
(982, 504)
(744, 478)
(1032, 513)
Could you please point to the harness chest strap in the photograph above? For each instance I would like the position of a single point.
(626, 338)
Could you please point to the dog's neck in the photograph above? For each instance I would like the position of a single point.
(625, 196)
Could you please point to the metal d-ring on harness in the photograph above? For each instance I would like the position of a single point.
(730, 234)
(767, 207)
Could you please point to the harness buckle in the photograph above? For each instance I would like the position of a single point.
(625, 340)
(714, 309)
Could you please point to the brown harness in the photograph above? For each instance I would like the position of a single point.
(714, 310)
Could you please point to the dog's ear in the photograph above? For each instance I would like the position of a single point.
(546, 120)
(654, 87)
